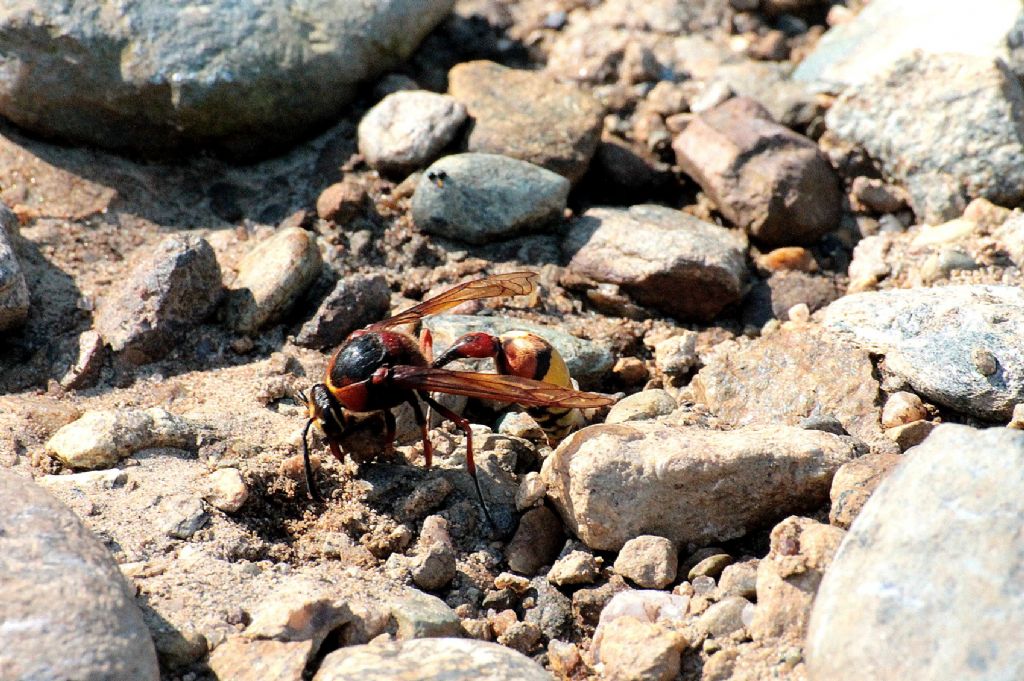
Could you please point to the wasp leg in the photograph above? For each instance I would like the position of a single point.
(421, 421)
(463, 424)
(474, 345)
(314, 493)
(427, 344)
(389, 432)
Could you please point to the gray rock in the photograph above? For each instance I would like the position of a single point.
(711, 566)
(641, 406)
(529, 116)
(99, 439)
(886, 31)
(242, 77)
(553, 612)
(14, 293)
(420, 615)
(944, 342)
(611, 483)
(433, 565)
(968, 102)
(661, 257)
(356, 301)
(791, 103)
(927, 582)
(174, 287)
(48, 559)
(182, 516)
(724, 617)
(790, 375)
(442, 659)
(588, 361)
(271, 278)
(484, 197)
(648, 561)
(763, 177)
(408, 129)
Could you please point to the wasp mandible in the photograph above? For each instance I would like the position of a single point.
(380, 367)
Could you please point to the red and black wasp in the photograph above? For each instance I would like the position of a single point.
(380, 367)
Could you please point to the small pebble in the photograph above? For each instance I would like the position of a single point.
(739, 579)
(711, 566)
(631, 371)
(227, 490)
(678, 354)
(183, 516)
(537, 541)
(787, 258)
(531, 491)
(1017, 419)
(724, 617)
(910, 434)
(902, 407)
(341, 202)
(649, 561)
(408, 129)
(516, 583)
(644, 405)
(799, 313)
(578, 567)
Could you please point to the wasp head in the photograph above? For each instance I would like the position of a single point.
(323, 409)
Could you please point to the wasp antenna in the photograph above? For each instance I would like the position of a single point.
(310, 483)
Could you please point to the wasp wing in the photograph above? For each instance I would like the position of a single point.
(525, 391)
(508, 284)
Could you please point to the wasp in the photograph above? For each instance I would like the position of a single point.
(381, 367)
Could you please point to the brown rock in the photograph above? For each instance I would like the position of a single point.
(649, 561)
(786, 376)
(853, 484)
(356, 301)
(876, 196)
(341, 202)
(769, 180)
(661, 257)
(789, 575)
(242, 659)
(910, 434)
(613, 482)
(537, 541)
(633, 650)
(902, 407)
(529, 116)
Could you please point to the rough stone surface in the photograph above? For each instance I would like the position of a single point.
(536, 542)
(99, 439)
(788, 577)
(529, 116)
(271, 277)
(671, 261)
(885, 31)
(724, 617)
(433, 565)
(86, 369)
(791, 375)
(588, 361)
(633, 650)
(48, 557)
(958, 346)
(648, 561)
(479, 197)
(245, 78)
(937, 546)
(175, 286)
(408, 129)
(902, 407)
(611, 483)
(342, 201)
(970, 103)
(765, 178)
(14, 293)
(420, 615)
(578, 567)
(739, 579)
(677, 355)
(242, 659)
(854, 484)
(356, 301)
(436, 659)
